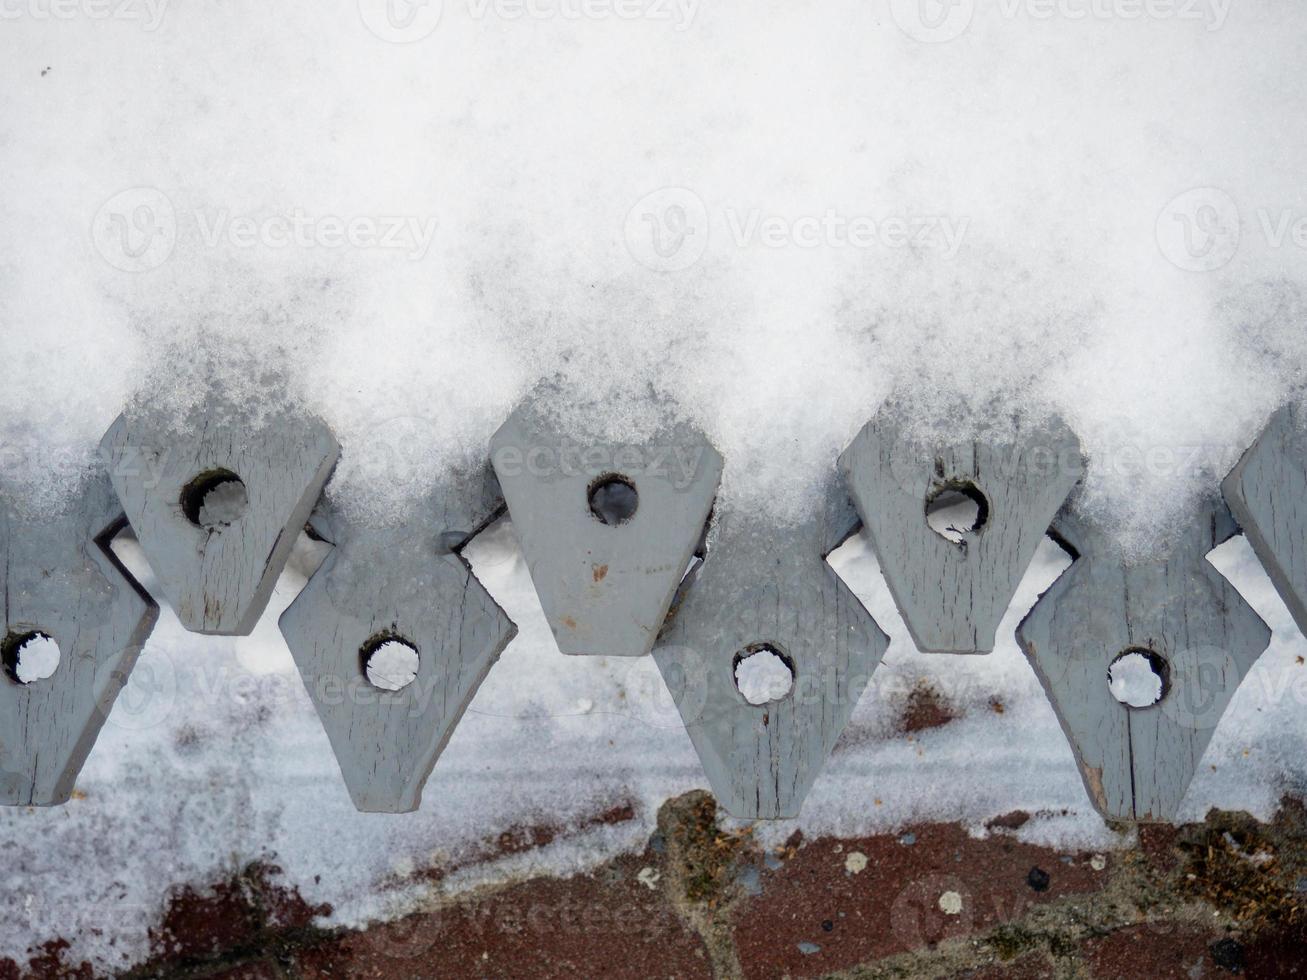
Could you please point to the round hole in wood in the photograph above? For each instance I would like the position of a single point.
(763, 673)
(29, 656)
(216, 498)
(613, 499)
(1139, 677)
(389, 662)
(955, 509)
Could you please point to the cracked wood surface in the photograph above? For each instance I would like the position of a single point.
(953, 595)
(605, 590)
(760, 584)
(402, 581)
(1137, 763)
(1267, 492)
(218, 579)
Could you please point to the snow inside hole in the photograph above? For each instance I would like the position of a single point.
(763, 673)
(613, 499)
(1138, 678)
(956, 509)
(31, 656)
(214, 499)
(390, 663)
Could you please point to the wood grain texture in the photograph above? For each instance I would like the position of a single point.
(1137, 763)
(1267, 492)
(59, 578)
(407, 582)
(218, 579)
(760, 584)
(605, 590)
(952, 595)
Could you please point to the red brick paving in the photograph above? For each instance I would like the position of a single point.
(1159, 951)
(607, 924)
(260, 970)
(893, 905)
(1033, 966)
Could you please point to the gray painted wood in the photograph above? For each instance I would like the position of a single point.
(1137, 763)
(763, 584)
(218, 579)
(952, 595)
(59, 578)
(1267, 492)
(605, 589)
(407, 582)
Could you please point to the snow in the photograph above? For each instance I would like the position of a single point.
(1135, 681)
(762, 676)
(35, 658)
(765, 218)
(392, 666)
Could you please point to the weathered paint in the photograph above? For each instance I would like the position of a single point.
(59, 578)
(1267, 492)
(763, 584)
(1137, 763)
(952, 595)
(218, 579)
(408, 582)
(605, 589)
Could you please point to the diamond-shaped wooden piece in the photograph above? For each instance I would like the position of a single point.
(766, 586)
(404, 583)
(1174, 612)
(1267, 493)
(60, 581)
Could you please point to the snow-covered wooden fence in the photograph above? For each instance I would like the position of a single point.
(608, 532)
